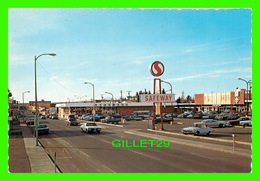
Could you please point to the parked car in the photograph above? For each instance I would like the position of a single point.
(132, 118)
(116, 115)
(43, 129)
(43, 117)
(197, 129)
(246, 123)
(90, 127)
(30, 121)
(197, 115)
(209, 116)
(158, 119)
(183, 115)
(111, 119)
(169, 115)
(236, 122)
(54, 117)
(214, 123)
(222, 116)
(72, 121)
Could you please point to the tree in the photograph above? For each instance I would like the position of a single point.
(163, 91)
(188, 99)
(9, 93)
(178, 100)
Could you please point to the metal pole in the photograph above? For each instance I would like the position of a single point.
(55, 165)
(233, 142)
(246, 98)
(23, 102)
(111, 101)
(246, 94)
(171, 94)
(35, 92)
(36, 103)
(94, 112)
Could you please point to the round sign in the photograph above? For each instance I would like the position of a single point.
(157, 69)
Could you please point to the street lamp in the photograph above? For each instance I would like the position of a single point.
(36, 103)
(171, 93)
(247, 97)
(111, 101)
(23, 101)
(93, 112)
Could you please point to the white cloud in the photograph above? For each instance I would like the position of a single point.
(246, 59)
(222, 63)
(212, 74)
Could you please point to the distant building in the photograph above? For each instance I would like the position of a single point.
(221, 101)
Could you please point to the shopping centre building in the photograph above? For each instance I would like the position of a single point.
(236, 101)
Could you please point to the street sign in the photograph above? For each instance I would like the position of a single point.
(157, 68)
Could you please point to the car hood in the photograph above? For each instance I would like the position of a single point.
(93, 126)
(189, 128)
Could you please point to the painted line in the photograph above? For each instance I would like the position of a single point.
(149, 156)
(202, 156)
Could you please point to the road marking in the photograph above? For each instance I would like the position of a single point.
(202, 156)
(149, 156)
(109, 142)
(100, 167)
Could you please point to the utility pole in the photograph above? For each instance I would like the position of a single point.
(121, 95)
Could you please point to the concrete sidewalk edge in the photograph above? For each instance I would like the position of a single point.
(38, 158)
(229, 150)
(199, 137)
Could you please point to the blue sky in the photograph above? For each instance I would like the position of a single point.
(203, 51)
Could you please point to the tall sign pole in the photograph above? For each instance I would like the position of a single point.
(157, 69)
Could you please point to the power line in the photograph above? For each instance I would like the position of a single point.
(56, 80)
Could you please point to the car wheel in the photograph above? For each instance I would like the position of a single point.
(98, 132)
(221, 126)
(196, 133)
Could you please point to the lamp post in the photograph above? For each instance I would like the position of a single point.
(111, 101)
(23, 101)
(247, 97)
(93, 112)
(36, 103)
(171, 93)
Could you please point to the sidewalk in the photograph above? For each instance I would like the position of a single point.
(33, 159)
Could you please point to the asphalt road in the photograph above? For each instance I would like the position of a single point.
(78, 152)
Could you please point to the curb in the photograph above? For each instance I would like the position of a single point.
(199, 137)
(117, 125)
(36, 153)
(192, 145)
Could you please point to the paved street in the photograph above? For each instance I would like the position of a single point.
(80, 152)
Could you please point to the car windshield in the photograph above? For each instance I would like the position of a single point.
(199, 125)
(91, 124)
(42, 126)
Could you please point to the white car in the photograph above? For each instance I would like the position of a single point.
(197, 129)
(90, 127)
(245, 123)
(214, 123)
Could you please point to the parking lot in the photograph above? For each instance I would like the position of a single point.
(241, 134)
